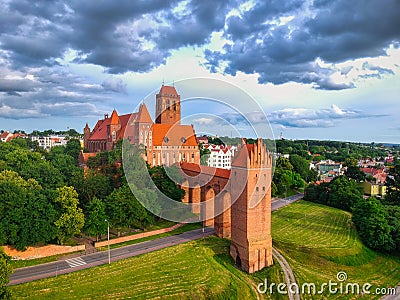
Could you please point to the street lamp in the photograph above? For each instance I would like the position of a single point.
(108, 239)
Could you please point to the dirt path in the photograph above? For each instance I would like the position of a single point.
(289, 276)
(396, 296)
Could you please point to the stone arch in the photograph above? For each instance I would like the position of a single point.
(222, 210)
(207, 207)
(185, 187)
(195, 198)
(234, 252)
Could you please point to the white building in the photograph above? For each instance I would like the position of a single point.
(47, 142)
(220, 156)
(5, 136)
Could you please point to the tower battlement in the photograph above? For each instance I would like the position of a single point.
(251, 175)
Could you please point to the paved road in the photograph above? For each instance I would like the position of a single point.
(27, 274)
(281, 202)
(83, 262)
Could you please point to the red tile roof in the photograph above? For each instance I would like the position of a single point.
(114, 118)
(4, 134)
(205, 170)
(100, 130)
(168, 90)
(87, 155)
(143, 115)
(173, 135)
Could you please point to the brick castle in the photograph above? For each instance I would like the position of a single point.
(236, 202)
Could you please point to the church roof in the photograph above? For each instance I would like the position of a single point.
(218, 172)
(173, 135)
(100, 130)
(143, 115)
(168, 90)
(114, 118)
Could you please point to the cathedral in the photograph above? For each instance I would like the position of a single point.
(166, 140)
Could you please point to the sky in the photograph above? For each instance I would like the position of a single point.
(317, 69)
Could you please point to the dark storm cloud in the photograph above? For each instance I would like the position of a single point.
(280, 41)
(194, 27)
(112, 34)
(114, 84)
(16, 85)
(334, 31)
(50, 92)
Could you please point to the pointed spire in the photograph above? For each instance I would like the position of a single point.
(114, 118)
(143, 114)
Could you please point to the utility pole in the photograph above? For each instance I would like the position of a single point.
(108, 239)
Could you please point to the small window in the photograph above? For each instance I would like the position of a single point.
(183, 140)
(256, 189)
(166, 139)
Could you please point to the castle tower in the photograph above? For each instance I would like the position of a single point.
(143, 124)
(251, 175)
(86, 136)
(168, 106)
(113, 129)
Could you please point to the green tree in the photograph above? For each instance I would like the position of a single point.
(300, 165)
(204, 155)
(284, 164)
(371, 221)
(73, 148)
(124, 210)
(90, 184)
(95, 223)
(393, 217)
(32, 165)
(5, 271)
(71, 220)
(354, 172)
(317, 193)
(165, 184)
(312, 176)
(26, 214)
(344, 193)
(393, 186)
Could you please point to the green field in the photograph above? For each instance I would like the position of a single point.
(317, 241)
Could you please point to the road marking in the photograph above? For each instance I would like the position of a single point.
(75, 262)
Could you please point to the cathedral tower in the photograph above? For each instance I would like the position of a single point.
(168, 106)
(251, 175)
(86, 136)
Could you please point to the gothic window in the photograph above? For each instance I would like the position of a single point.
(114, 135)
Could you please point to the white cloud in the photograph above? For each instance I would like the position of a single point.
(304, 118)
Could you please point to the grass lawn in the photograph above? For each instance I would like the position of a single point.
(200, 269)
(160, 224)
(184, 228)
(317, 241)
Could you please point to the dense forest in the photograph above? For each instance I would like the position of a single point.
(47, 197)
